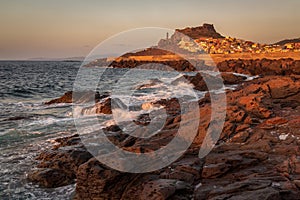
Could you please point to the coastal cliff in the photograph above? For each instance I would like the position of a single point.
(256, 157)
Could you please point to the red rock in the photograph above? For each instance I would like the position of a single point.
(283, 87)
(214, 170)
(66, 98)
(252, 105)
(102, 107)
(240, 137)
(271, 123)
(276, 121)
(88, 96)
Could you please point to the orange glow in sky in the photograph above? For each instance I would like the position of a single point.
(56, 29)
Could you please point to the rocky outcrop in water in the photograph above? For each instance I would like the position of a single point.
(79, 97)
(59, 165)
(66, 98)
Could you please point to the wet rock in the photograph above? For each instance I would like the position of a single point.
(78, 97)
(151, 83)
(67, 141)
(47, 177)
(66, 98)
(112, 128)
(102, 107)
(143, 119)
(231, 78)
(65, 158)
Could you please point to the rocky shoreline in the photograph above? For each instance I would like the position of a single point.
(256, 157)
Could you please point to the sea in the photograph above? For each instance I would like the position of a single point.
(28, 126)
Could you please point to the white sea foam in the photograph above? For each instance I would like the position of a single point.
(121, 115)
(48, 121)
(248, 77)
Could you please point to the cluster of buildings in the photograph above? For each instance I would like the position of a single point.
(229, 45)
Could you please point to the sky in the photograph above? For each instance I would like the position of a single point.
(68, 28)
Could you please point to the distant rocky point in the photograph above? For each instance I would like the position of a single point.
(284, 42)
(68, 59)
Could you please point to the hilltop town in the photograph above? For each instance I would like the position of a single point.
(205, 43)
(206, 38)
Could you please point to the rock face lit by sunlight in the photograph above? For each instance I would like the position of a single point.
(138, 100)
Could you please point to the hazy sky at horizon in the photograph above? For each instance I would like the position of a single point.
(61, 28)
